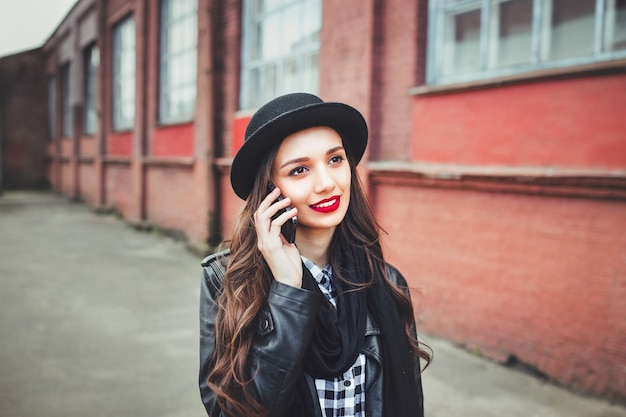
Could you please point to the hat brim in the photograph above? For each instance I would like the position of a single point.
(346, 120)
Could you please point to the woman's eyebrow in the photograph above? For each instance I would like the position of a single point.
(335, 149)
(295, 161)
(306, 158)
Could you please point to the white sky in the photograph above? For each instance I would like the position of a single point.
(27, 24)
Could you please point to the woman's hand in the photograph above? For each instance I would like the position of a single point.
(282, 257)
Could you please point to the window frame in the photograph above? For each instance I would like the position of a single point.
(307, 75)
(66, 100)
(435, 45)
(91, 53)
(52, 107)
(122, 96)
(167, 55)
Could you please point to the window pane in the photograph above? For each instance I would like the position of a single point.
(572, 28)
(278, 35)
(615, 30)
(462, 43)
(513, 27)
(312, 22)
(291, 76)
(268, 5)
(291, 33)
(92, 60)
(67, 100)
(310, 77)
(124, 75)
(271, 37)
(179, 51)
(269, 83)
(254, 88)
(52, 107)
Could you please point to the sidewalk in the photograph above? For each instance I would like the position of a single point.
(97, 319)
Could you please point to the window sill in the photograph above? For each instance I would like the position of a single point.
(115, 159)
(596, 68)
(173, 123)
(223, 164)
(169, 161)
(554, 181)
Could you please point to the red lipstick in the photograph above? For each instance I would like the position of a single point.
(327, 205)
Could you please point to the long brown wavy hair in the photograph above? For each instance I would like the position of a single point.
(247, 282)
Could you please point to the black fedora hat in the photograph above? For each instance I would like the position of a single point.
(288, 114)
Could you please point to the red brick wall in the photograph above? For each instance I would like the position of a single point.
(175, 199)
(346, 53)
(226, 48)
(230, 205)
(87, 183)
(577, 122)
(536, 277)
(23, 120)
(118, 188)
(394, 63)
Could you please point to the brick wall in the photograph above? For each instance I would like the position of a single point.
(536, 278)
(346, 53)
(23, 121)
(394, 63)
(575, 122)
(87, 182)
(226, 49)
(175, 199)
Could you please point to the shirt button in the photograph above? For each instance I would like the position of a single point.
(347, 383)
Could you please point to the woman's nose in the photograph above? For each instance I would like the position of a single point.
(324, 181)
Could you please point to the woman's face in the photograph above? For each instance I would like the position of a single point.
(312, 169)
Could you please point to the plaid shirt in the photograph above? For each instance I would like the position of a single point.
(345, 395)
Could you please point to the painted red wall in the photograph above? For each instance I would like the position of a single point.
(176, 140)
(568, 123)
(240, 124)
(536, 277)
(119, 144)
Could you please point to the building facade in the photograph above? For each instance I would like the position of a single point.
(497, 163)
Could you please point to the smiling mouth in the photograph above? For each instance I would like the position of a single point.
(327, 206)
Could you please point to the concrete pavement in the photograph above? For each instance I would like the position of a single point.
(98, 319)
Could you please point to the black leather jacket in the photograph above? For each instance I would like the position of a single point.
(284, 329)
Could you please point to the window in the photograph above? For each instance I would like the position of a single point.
(477, 39)
(52, 108)
(124, 74)
(179, 52)
(280, 49)
(66, 100)
(90, 66)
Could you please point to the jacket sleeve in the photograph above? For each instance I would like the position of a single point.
(398, 280)
(284, 330)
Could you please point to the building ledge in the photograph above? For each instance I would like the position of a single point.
(82, 159)
(116, 159)
(181, 161)
(596, 68)
(570, 182)
(223, 164)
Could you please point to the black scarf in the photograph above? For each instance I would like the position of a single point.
(340, 334)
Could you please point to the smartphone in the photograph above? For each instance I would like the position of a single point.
(288, 229)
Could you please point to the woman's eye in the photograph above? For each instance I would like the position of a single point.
(336, 159)
(297, 171)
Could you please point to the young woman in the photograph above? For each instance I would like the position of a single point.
(319, 327)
